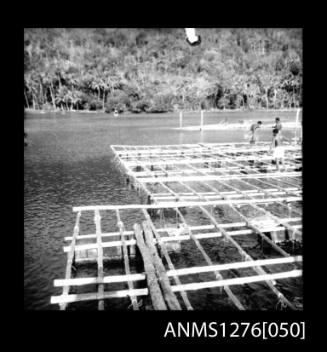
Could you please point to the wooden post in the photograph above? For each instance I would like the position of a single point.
(201, 123)
(296, 124)
(154, 289)
(97, 221)
(180, 119)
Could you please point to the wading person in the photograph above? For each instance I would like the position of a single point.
(278, 148)
(278, 124)
(254, 132)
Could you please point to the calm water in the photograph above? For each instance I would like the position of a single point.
(68, 162)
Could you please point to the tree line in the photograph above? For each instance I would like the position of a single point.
(155, 70)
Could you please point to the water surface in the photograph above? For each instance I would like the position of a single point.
(68, 162)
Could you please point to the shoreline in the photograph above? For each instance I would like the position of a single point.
(41, 111)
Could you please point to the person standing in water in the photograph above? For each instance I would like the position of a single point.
(278, 124)
(254, 134)
(278, 148)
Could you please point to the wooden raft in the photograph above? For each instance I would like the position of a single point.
(201, 179)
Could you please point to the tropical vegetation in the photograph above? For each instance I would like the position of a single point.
(156, 70)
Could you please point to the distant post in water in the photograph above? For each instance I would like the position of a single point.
(180, 119)
(201, 123)
(296, 124)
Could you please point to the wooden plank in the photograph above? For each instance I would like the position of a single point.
(154, 289)
(169, 296)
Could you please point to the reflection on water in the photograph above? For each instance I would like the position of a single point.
(68, 162)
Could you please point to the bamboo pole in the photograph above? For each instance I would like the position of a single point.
(177, 288)
(236, 265)
(180, 272)
(70, 259)
(97, 220)
(201, 227)
(246, 256)
(252, 171)
(228, 291)
(266, 213)
(191, 149)
(238, 281)
(235, 162)
(184, 204)
(132, 242)
(255, 229)
(215, 177)
(81, 281)
(126, 261)
(243, 253)
(64, 299)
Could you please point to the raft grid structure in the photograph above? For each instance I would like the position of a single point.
(204, 180)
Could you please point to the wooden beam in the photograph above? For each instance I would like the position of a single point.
(154, 289)
(169, 296)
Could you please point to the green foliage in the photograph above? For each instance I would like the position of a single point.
(155, 70)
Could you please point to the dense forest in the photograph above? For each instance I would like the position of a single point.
(156, 70)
